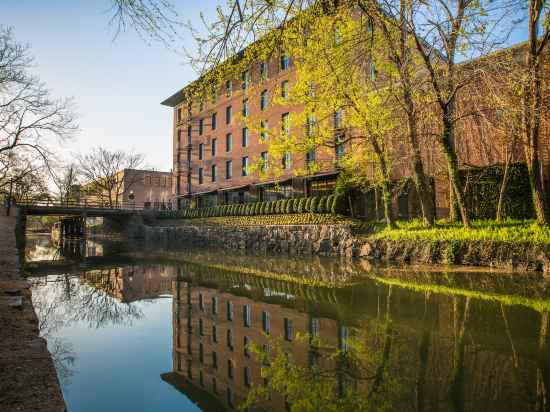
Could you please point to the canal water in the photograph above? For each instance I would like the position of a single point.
(140, 327)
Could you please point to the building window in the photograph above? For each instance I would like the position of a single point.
(246, 110)
(246, 348)
(247, 377)
(264, 70)
(189, 134)
(214, 147)
(201, 353)
(344, 338)
(289, 330)
(245, 77)
(245, 136)
(189, 370)
(310, 127)
(201, 126)
(214, 121)
(339, 147)
(264, 126)
(284, 61)
(265, 161)
(214, 360)
(263, 100)
(338, 117)
(229, 310)
(285, 124)
(229, 169)
(310, 156)
(214, 305)
(228, 88)
(373, 71)
(213, 170)
(214, 385)
(230, 369)
(201, 176)
(201, 302)
(179, 137)
(201, 327)
(314, 327)
(284, 89)
(266, 327)
(214, 334)
(230, 397)
(245, 166)
(229, 339)
(286, 160)
(201, 151)
(228, 114)
(247, 315)
(179, 115)
(201, 106)
(228, 142)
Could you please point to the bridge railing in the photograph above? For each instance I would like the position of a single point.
(89, 205)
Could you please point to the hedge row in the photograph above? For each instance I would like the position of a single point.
(317, 204)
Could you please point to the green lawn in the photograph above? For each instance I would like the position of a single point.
(517, 231)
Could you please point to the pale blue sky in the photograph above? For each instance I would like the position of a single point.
(117, 85)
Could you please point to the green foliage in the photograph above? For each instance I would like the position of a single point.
(313, 204)
(339, 205)
(307, 206)
(302, 205)
(290, 206)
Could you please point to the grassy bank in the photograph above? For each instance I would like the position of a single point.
(515, 231)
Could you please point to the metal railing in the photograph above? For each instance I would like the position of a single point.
(88, 205)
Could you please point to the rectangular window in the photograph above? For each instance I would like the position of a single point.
(214, 305)
(245, 166)
(245, 108)
(201, 176)
(230, 369)
(310, 156)
(201, 353)
(214, 360)
(229, 310)
(214, 147)
(245, 136)
(179, 116)
(338, 117)
(285, 124)
(266, 327)
(339, 147)
(201, 126)
(286, 160)
(314, 327)
(284, 89)
(201, 302)
(263, 100)
(284, 61)
(311, 123)
(344, 338)
(201, 327)
(289, 330)
(247, 315)
(228, 88)
(230, 339)
(229, 169)
(264, 70)
(214, 334)
(189, 344)
(201, 151)
(246, 349)
(245, 77)
(228, 142)
(228, 114)
(214, 121)
(265, 161)
(189, 134)
(247, 377)
(214, 172)
(179, 137)
(214, 385)
(264, 130)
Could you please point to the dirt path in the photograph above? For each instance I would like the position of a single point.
(28, 381)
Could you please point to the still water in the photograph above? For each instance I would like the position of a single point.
(152, 328)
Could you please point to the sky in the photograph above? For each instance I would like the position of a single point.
(117, 84)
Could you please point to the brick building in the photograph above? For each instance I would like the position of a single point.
(213, 149)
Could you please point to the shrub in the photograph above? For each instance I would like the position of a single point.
(339, 206)
(313, 204)
(301, 205)
(307, 205)
(322, 206)
(277, 208)
(289, 206)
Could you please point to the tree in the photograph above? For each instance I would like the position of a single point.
(67, 180)
(30, 119)
(103, 173)
(539, 17)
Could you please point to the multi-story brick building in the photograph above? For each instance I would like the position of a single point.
(213, 148)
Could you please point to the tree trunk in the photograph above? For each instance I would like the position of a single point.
(504, 185)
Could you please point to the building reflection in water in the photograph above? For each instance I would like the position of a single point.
(391, 347)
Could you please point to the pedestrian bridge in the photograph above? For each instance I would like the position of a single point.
(47, 208)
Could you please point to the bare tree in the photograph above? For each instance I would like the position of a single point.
(104, 176)
(30, 119)
(66, 180)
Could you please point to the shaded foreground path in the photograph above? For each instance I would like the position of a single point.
(28, 380)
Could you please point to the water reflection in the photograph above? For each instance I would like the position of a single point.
(281, 334)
